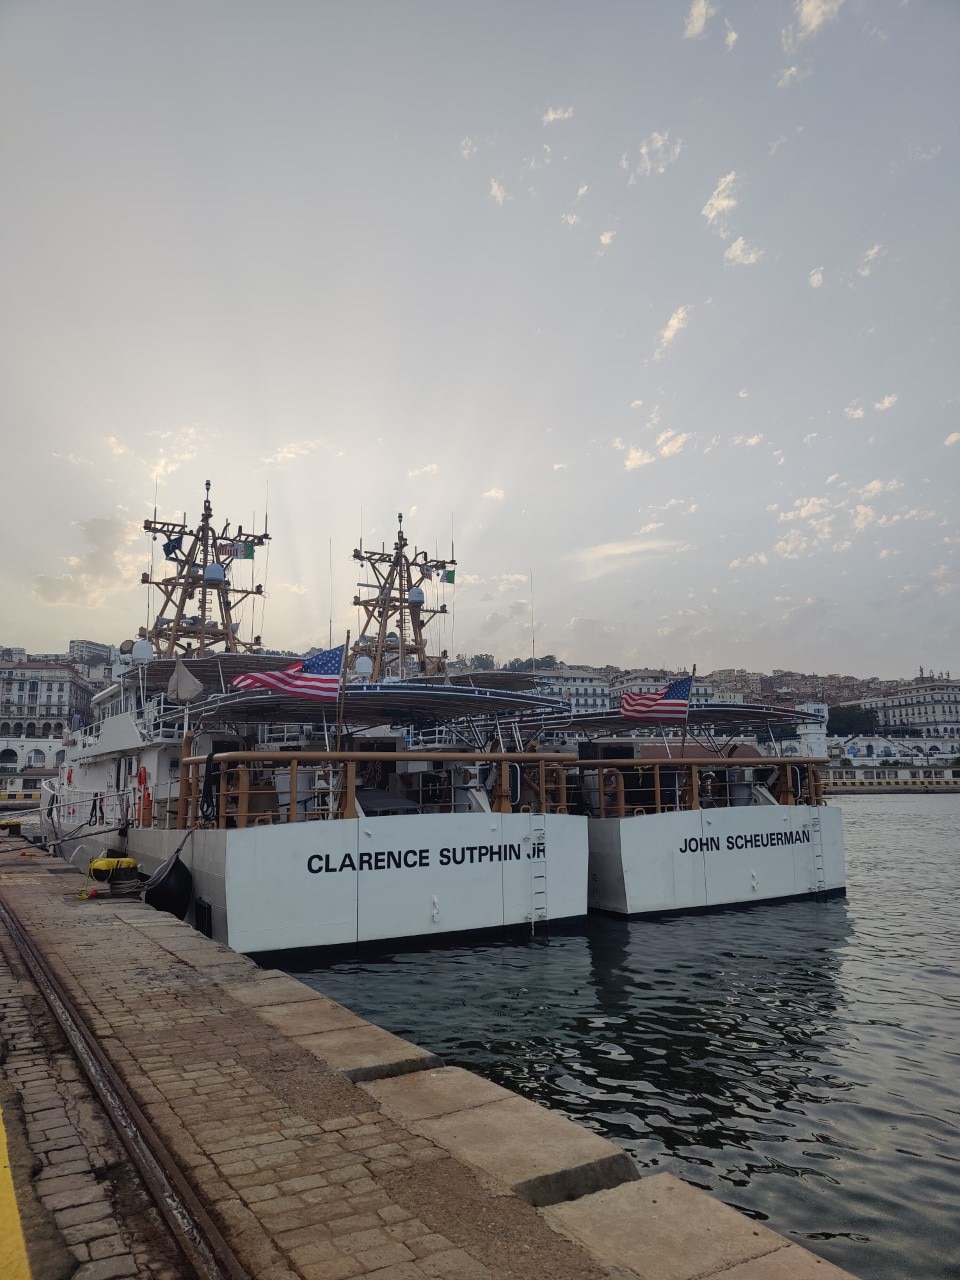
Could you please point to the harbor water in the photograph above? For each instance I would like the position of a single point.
(801, 1061)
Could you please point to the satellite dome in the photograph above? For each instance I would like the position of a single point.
(416, 595)
(142, 652)
(214, 574)
(363, 667)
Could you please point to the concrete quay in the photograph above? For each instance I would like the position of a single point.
(320, 1146)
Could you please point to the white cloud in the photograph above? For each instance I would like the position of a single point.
(792, 546)
(116, 448)
(869, 258)
(497, 191)
(809, 439)
(637, 458)
(496, 494)
(561, 466)
(721, 202)
(673, 326)
(748, 442)
(114, 551)
(863, 516)
(791, 75)
(651, 527)
(581, 191)
(540, 162)
(294, 449)
(430, 469)
(73, 459)
(816, 277)
(571, 219)
(730, 39)
(606, 238)
(509, 581)
(701, 11)
(468, 147)
(879, 486)
(805, 509)
(557, 113)
(887, 402)
(758, 557)
(743, 393)
(657, 153)
(295, 588)
(669, 443)
(636, 404)
(185, 450)
(952, 438)
(740, 254)
(853, 410)
(609, 557)
(812, 14)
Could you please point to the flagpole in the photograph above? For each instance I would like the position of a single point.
(342, 691)
(683, 739)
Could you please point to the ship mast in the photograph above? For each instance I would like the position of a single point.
(197, 613)
(391, 634)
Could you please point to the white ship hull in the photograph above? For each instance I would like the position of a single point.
(700, 859)
(313, 884)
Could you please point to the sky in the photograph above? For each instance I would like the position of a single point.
(648, 310)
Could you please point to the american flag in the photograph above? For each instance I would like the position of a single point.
(316, 677)
(672, 702)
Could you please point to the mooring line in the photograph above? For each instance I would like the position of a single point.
(195, 1232)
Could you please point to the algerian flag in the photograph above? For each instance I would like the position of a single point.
(448, 576)
(247, 551)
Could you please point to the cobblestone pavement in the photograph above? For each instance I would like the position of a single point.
(87, 1215)
(301, 1171)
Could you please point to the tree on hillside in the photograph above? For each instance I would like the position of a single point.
(547, 663)
(483, 662)
(848, 721)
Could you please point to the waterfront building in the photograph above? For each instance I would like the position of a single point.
(731, 680)
(90, 653)
(926, 707)
(585, 688)
(22, 755)
(41, 699)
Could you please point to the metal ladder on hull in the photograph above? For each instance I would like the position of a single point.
(816, 834)
(539, 909)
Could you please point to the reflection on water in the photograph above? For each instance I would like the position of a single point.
(800, 1060)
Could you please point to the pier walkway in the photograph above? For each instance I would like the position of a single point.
(267, 1132)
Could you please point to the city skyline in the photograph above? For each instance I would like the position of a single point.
(648, 311)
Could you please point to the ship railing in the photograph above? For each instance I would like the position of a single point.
(630, 787)
(241, 789)
(162, 719)
(76, 807)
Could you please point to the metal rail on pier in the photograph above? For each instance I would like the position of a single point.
(208, 1254)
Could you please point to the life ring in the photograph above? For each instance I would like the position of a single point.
(70, 775)
(141, 776)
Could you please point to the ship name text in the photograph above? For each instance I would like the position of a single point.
(756, 840)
